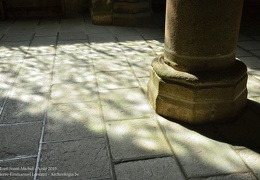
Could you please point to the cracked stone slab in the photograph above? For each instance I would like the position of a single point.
(125, 104)
(19, 140)
(73, 121)
(152, 169)
(136, 138)
(87, 158)
(200, 155)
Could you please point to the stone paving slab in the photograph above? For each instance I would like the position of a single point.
(73, 73)
(199, 155)
(75, 58)
(238, 176)
(101, 126)
(76, 92)
(252, 159)
(17, 169)
(19, 140)
(23, 108)
(143, 136)
(116, 80)
(85, 159)
(121, 104)
(152, 169)
(73, 121)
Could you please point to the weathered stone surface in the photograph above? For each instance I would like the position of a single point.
(143, 136)
(153, 169)
(199, 155)
(237, 176)
(197, 97)
(85, 159)
(73, 121)
(198, 38)
(24, 136)
(77, 92)
(252, 159)
(125, 104)
(24, 108)
(18, 169)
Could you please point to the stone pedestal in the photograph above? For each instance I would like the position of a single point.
(198, 79)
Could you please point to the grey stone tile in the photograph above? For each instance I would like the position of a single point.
(252, 159)
(24, 108)
(44, 41)
(256, 37)
(153, 169)
(77, 92)
(8, 49)
(244, 131)
(70, 73)
(37, 84)
(131, 139)
(111, 63)
(73, 121)
(22, 139)
(255, 73)
(8, 71)
(68, 36)
(18, 169)
(97, 29)
(73, 58)
(47, 30)
(101, 38)
(135, 39)
(123, 31)
(135, 56)
(256, 52)
(16, 37)
(107, 50)
(253, 86)
(143, 82)
(241, 52)
(76, 46)
(86, 159)
(154, 33)
(72, 27)
(157, 45)
(249, 45)
(125, 104)
(37, 65)
(12, 59)
(238, 176)
(243, 37)
(200, 155)
(142, 68)
(251, 62)
(41, 50)
(116, 79)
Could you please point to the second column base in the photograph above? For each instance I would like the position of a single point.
(200, 97)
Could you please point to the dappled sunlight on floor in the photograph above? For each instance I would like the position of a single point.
(73, 96)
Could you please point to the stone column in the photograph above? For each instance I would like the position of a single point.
(198, 79)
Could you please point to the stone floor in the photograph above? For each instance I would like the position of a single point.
(73, 106)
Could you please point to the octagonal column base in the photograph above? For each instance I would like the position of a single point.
(200, 97)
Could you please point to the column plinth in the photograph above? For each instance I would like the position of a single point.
(198, 79)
